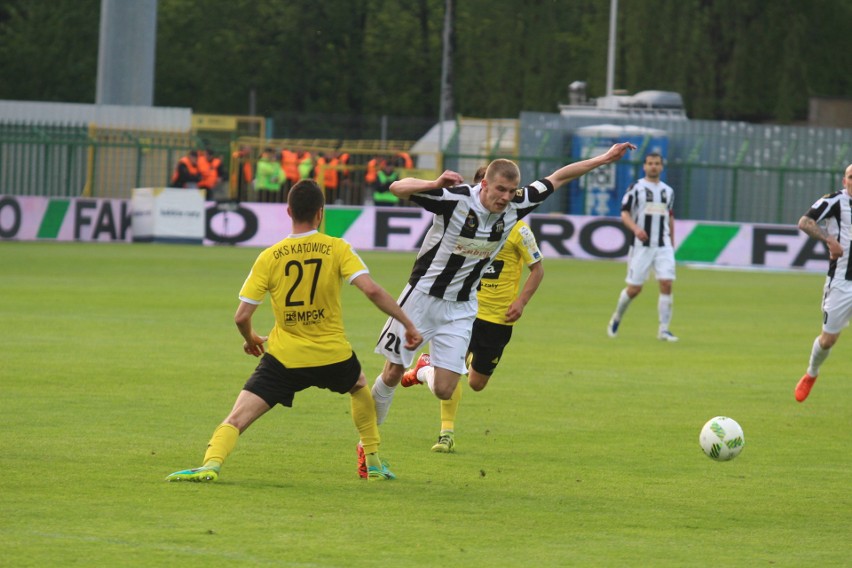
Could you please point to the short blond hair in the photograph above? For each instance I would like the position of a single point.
(504, 168)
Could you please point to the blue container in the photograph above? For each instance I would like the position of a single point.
(600, 192)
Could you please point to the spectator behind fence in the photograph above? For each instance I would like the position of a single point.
(328, 176)
(306, 165)
(371, 176)
(212, 170)
(386, 175)
(404, 160)
(345, 179)
(290, 164)
(186, 174)
(243, 173)
(267, 182)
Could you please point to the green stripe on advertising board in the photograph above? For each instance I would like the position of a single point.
(338, 221)
(705, 243)
(53, 217)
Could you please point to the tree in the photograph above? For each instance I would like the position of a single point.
(49, 50)
(730, 59)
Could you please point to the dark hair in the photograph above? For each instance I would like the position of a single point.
(653, 155)
(480, 173)
(305, 199)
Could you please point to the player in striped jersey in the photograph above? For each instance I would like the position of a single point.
(646, 211)
(500, 307)
(834, 211)
(469, 227)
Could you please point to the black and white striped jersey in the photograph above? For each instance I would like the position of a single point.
(465, 237)
(650, 205)
(834, 212)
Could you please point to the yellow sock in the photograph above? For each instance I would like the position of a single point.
(364, 417)
(449, 408)
(221, 444)
(373, 460)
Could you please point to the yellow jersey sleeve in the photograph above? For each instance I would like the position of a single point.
(303, 276)
(502, 280)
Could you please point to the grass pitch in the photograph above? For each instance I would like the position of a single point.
(118, 361)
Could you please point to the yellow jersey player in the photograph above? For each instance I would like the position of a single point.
(500, 307)
(307, 347)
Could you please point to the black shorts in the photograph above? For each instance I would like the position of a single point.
(276, 384)
(487, 341)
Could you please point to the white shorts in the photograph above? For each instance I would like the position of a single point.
(445, 325)
(642, 259)
(836, 305)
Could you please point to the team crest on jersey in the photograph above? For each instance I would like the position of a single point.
(519, 192)
(649, 195)
(471, 222)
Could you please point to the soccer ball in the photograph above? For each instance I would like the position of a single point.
(722, 438)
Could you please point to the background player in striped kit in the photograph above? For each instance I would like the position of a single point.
(835, 211)
(500, 307)
(646, 211)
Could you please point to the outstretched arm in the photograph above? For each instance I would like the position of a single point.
(387, 304)
(407, 187)
(572, 171)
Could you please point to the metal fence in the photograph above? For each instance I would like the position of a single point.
(721, 171)
(72, 161)
(724, 171)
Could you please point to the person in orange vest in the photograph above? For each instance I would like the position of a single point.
(290, 164)
(345, 180)
(186, 174)
(371, 177)
(328, 176)
(372, 168)
(212, 171)
(404, 160)
(243, 173)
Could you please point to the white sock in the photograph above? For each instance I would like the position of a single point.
(623, 303)
(818, 355)
(427, 375)
(382, 397)
(664, 309)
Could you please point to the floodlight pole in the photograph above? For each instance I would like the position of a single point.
(126, 41)
(610, 58)
(445, 105)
